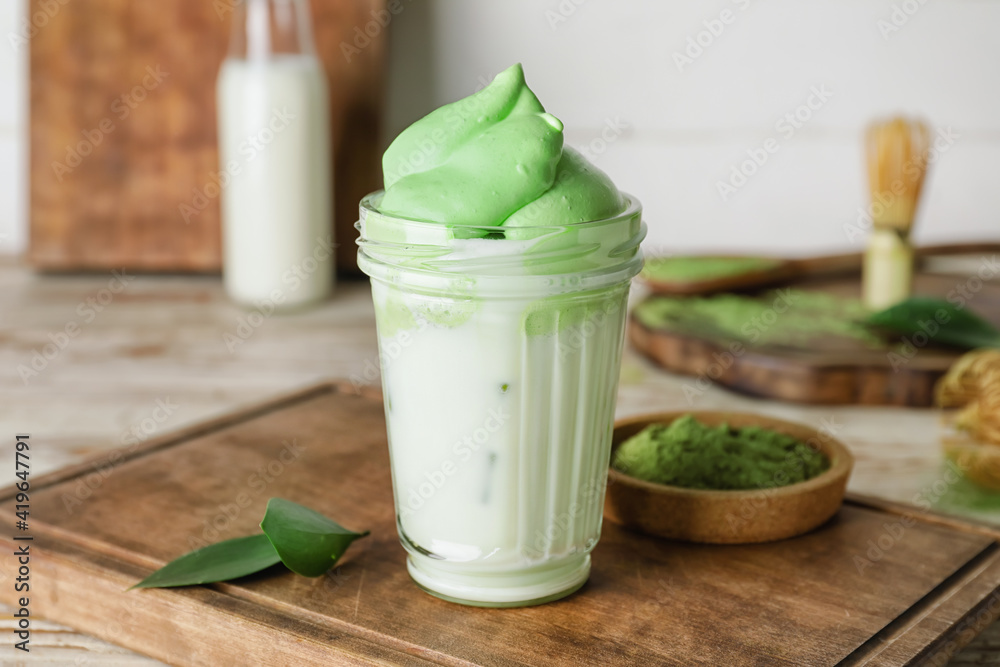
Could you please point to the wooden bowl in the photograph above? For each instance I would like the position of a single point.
(728, 517)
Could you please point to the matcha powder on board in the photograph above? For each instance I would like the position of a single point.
(690, 454)
(782, 317)
(692, 269)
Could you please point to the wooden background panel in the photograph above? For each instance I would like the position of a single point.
(115, 153)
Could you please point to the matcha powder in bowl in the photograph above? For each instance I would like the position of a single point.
(689, 454)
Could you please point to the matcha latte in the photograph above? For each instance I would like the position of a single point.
(500, 264)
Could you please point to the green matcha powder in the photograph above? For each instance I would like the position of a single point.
(781, 317)
(689, 454)
(692, 269)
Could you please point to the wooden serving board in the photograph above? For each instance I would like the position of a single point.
(115, 152)
(878, 585)
(832, 371)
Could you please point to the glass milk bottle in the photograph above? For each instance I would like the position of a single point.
(274, 147)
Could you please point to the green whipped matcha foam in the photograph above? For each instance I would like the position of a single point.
(693, 455)
(494, 159)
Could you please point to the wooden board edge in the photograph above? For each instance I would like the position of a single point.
(961, 633)
(966, 524)
(843, 362)
(640, 336)
(791, 268)
(90, 597)
(972, 588)
(198, 429)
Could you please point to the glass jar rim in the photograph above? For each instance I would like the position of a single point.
(431, 257)
(368, 203)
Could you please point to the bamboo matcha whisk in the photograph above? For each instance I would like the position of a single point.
(897, 161)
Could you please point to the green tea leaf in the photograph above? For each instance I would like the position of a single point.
(308, 543)
(217, 562)
(942, 321)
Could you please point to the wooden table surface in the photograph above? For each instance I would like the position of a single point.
(143, 355)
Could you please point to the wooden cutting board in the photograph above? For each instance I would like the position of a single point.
(123, 129)
(878, 585)
(820, 370)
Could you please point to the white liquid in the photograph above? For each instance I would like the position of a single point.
(499, 440)
(276, 209)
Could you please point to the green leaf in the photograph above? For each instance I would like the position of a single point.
(308, 543)
(942, 321)
(217, 562)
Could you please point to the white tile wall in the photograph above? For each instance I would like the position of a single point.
(594, 61)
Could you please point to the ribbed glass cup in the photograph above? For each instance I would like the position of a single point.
(500, 352)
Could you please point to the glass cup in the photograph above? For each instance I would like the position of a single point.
(500, 352)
